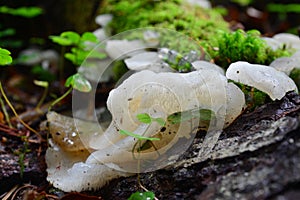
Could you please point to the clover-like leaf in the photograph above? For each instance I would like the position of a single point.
(88, 36)
(5, 57)
(66, 38)
(79, 83)
(72, 36)
(144, 118)
(142, 196)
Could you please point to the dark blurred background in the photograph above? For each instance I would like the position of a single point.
(268, 16)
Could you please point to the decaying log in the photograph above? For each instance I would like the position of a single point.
(257, 157)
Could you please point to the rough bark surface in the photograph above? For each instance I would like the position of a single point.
(257, 157)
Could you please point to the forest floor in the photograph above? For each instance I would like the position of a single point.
(269, 171)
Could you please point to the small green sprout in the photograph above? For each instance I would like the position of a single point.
(77, 82)
(45, 85)
(142, 196)
(5, 58)
(22, 155)
(146, 119)
(66, 38)
(81, 46)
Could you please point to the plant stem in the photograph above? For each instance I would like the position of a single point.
(60, 98)
(16, 114)
(5, 113)
(42, 98)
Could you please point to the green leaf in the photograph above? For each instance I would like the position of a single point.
(144, 118)
(72, 58)
(60, 40)
(28, 12)
(44, 84)
(142, 196)
(72, 36)
(66, 38)
(79, 83)
(139, 137)
(70, 81)
(5, 57)
(88, 36)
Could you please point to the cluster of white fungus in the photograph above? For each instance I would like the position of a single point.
(83, 161)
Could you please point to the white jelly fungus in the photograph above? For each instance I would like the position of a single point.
(267, 79)
(89, 152)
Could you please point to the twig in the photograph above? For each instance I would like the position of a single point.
(16, 114)
(8, 194)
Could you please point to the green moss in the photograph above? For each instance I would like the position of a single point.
(119, 69)
(295, 75)
(242, 46)
(196, 22)
(206, 26)
(253, 97)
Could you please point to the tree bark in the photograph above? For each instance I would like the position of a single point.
(257, 157)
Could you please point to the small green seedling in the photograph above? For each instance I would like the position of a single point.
(81, 46)
(45, 85)
(142, 196)
(77, 82)
(22, 155)
(5, 58)
(146, 119)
